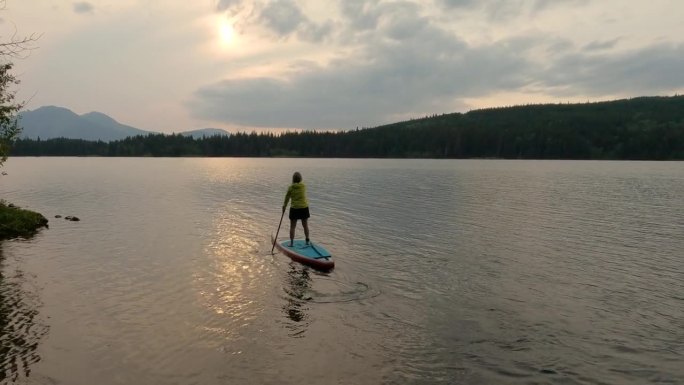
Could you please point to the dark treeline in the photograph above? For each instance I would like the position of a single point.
(640, 128)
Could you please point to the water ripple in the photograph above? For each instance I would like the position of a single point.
(446, 272)
(21, 328)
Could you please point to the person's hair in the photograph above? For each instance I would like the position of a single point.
(296, 177)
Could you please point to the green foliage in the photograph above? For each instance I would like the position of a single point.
(640, 128)
(9, 128)
(17, 222)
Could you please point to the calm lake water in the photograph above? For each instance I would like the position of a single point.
(447, 272)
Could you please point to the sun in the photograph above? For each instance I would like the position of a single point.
(226, 32)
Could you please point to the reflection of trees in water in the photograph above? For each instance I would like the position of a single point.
(299, 285)
(20, 331)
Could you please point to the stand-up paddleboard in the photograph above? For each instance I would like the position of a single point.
(313, 254)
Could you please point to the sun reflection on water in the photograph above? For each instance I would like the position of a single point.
(231, 282)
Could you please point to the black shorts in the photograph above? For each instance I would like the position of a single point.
(299, 213)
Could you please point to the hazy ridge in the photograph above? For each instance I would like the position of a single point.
(51, 122)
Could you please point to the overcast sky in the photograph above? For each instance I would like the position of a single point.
(176, 65)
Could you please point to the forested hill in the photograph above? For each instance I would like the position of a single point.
(639, 128)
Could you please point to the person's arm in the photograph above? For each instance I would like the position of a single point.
(287, 198)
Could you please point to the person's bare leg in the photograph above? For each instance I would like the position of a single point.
(305, 223)
(293, 224)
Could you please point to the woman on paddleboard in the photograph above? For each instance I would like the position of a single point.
(299, 209)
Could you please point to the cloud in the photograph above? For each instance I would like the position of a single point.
(385, 61)
(502, 10)
(598, 45)
(410, 66)
(559, 46)
(497, 10)
(371, 21)
(363, 14)
(283, 17)
(84, 7)
(540, 5)
(649, 70)
(460, 3)
(222, 5)
(397, 76)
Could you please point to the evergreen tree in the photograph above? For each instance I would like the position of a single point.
(9, 127)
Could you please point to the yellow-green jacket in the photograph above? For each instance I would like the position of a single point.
(296, 192)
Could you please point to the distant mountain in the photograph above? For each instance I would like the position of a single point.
(58, 122)
(206, 132)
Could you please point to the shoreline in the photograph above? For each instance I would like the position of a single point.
(16, 222)
(351, 158)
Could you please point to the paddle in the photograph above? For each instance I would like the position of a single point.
(276, 236)
(318, 252)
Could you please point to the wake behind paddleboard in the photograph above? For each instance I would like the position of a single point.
(311, 254)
